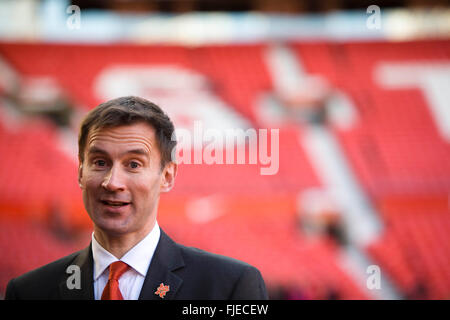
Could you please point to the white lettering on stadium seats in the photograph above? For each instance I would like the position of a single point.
(433, 78)
(207, 126)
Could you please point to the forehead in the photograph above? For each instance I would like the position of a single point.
(139, 135)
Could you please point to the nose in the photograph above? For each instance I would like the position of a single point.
(114, 180)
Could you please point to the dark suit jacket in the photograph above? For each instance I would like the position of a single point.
(190, 274)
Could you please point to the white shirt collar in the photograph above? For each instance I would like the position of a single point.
(138, 257)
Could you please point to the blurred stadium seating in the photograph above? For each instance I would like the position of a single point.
(395, 150)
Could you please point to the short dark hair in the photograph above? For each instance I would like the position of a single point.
(126, 111)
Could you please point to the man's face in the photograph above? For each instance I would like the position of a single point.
(121, 178)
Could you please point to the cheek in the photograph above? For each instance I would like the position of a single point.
(90, 182)
(146, 191)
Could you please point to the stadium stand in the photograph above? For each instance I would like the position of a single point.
(414, 247)
(399, 157)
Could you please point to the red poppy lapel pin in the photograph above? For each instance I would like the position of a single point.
(162, 290)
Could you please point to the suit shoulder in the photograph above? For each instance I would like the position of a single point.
(42, 277)
(50, 269)
(208, 260)
(214, 276)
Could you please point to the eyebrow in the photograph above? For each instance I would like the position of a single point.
(141, 152)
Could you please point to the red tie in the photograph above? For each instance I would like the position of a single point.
(111, 291)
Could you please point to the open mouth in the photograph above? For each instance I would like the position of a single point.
(114, 203)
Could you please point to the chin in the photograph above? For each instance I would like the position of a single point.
(113, 226)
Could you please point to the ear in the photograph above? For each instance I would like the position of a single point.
(80, 174)
(168, 176)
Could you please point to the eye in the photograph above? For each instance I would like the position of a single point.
(134, 165)
(100, 163)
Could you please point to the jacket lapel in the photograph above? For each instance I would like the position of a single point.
(166, 259)
(84, 261)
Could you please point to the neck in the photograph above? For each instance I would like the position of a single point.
(119, 244)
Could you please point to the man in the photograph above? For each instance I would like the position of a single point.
(125, 161)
